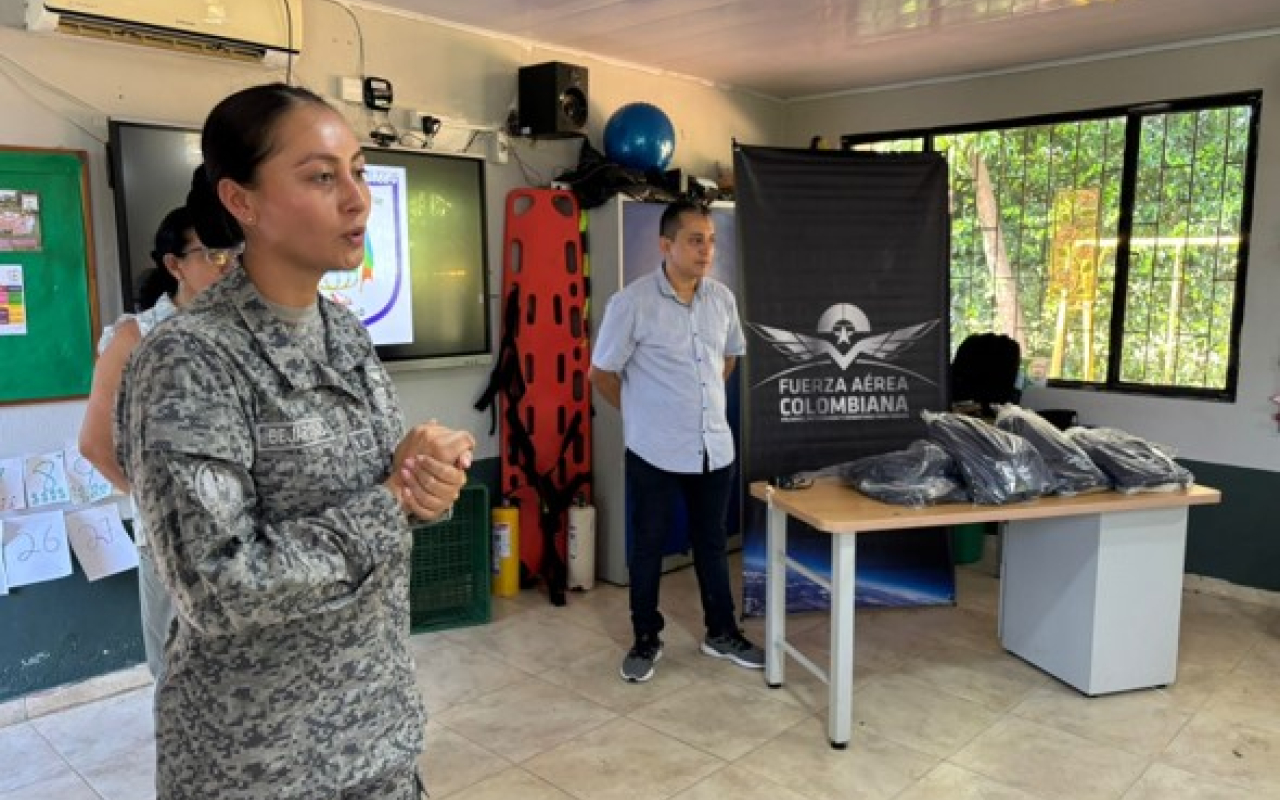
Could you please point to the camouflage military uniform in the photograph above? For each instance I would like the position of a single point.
(259, 473)
(157, 608)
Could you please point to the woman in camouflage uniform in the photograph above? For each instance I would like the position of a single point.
(266, 446)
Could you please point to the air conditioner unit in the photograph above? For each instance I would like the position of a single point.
(243, 30)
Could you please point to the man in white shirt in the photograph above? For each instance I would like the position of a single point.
(666, 345)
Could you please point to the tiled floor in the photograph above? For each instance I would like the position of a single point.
(531, 707)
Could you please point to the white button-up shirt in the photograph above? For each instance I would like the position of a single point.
(670, 357)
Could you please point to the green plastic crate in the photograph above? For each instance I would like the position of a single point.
(449, 567)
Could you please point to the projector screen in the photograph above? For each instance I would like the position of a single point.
(422, 290)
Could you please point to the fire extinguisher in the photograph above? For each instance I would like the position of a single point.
(506, 549)
(582, 545)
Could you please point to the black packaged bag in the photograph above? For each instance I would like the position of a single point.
(1072, 470)
(920, 475)
(1133, 464)
(998, 467)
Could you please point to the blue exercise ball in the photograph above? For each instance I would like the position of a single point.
(640, 136)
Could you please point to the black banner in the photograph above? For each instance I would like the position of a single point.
(845, 295)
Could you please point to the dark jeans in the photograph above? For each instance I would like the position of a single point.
(652, 495)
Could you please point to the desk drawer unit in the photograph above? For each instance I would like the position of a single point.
(1095, 600)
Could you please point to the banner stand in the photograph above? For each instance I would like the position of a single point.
(844, 259)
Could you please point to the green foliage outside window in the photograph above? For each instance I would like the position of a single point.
(1060, 229)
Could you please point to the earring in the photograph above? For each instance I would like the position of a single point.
(250, 220)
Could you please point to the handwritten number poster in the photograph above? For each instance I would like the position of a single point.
(101, 544)
(46, 478)
(12, 495)
(85, 484)
(35, 548)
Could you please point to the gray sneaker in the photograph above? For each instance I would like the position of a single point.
(637, 666)
(735, 647)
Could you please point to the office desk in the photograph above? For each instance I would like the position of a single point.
(1090, 586)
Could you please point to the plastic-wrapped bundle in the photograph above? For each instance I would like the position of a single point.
(920, 475)
(1133, 464)
(1072, 470)
(998, 467)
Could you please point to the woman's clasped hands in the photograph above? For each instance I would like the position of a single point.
(429, 468)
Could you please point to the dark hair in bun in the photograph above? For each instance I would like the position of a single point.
(171, 239)
(212, 222)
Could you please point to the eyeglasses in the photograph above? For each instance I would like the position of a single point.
(220, 257)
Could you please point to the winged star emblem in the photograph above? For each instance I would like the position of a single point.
(845, 323)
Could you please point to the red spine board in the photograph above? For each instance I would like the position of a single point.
(543, 258)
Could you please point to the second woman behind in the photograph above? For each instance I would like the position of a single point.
(184, 267)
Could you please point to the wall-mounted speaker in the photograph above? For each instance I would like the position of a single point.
(553, 99)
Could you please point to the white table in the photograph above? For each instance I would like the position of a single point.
(1090, 589)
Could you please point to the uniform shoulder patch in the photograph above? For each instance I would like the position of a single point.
(218, 491)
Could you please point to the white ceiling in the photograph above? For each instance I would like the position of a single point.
(795, 48)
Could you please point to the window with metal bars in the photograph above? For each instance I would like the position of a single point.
(1111, 244)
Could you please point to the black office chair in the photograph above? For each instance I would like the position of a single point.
(985, 372)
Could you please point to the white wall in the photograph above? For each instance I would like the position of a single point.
(1242, 433)
(443, 70)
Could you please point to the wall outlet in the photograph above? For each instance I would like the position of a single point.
(501, 147)
(351, 90)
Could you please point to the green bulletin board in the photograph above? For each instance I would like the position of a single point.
(48, 289)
